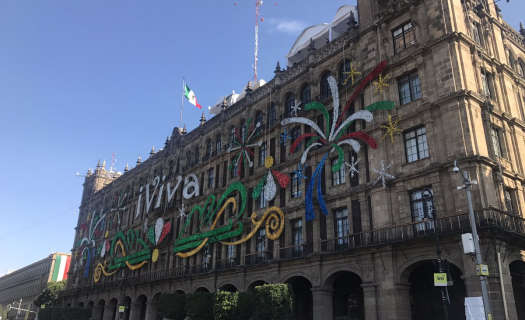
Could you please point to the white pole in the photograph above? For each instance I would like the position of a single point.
(182, 102)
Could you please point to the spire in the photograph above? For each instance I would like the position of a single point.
(127, 168)
(184, 130)
(203, 119)
(139, 161)
(248, 88)
(277, 68)
(224, 104)
(311, 46)
(167, 142)
(104, 164)
(152, 152)
(522, 30)
(351, 21)
(98, 164)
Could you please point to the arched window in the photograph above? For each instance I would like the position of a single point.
(209, 148)
(197, 155)
(188, 158)
(325, 92)
(259, 119)
(272, 115)
(306, 95)
(289, 102)
(243, 130)
(218, 144)
(345, 67)
(521, 69)
(510, 59)
(232, 137)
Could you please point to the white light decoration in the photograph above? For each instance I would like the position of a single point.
(191, 181)
(383, 175)
(158, 229)
(352, 167)
(270, 189)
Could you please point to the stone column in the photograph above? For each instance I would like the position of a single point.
(403, 301)
(135, 311)
(109, 312)
(151, 311)
(370, 300)
(97, 313)
(322, 303)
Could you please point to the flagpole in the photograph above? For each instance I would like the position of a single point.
(181, 103)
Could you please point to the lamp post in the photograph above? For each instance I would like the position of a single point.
(429, 197)
(467, 184)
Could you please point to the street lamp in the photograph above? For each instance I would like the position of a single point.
(429, 197)
(467, 184)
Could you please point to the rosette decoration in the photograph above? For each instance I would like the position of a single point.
(267, 183)
(156, 234)
(334, 134)
(240, 151)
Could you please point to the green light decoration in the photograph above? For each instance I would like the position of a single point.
(259, 188)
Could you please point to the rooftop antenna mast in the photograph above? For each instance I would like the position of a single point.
(258, 3)
(113, 160)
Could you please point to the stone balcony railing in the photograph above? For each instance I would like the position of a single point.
(485, 219)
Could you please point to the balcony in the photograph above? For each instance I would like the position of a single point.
(485, 219)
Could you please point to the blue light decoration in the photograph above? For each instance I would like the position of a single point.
(299, 173)
(284, 136)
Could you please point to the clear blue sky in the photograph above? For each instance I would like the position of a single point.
(82, 79)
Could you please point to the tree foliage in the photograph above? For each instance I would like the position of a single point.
(65, 313)
(49, 295)
(274, 302)
(199, 306)
(172, 305)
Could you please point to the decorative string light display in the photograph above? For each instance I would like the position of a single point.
(241, 152)
(383, 174)
(267, 183)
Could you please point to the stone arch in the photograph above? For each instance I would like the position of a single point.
(156, 296)
(408, 266)
(228, 287)
(303, 93)
(90, 304)
(113, 302)
(324, 88)
(330, 275)
(179, 291)
(80, 304)
(258, 278)
(287, 277)
(201, 288)
(517, 273)
(253, 284)
(347, 293)
(228, 282)
(68, 305)
(302, 289)
(140, 303)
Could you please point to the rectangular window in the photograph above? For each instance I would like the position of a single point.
(494, 132)
(296, 188)
(403, 37)
(341, 228)
(508, 200)
(261, 244)
(409, 88)
(421, 210)
(486, 82)
(261, 202)
(206, 258)
(297, 237)
(234, 170)
(262, 154)
(354, 173)
(296, 133)
(416, 146)
(230, 256)
(338, 177)
(476, 33)
(210, 178)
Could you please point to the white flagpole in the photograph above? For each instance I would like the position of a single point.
(182, 101)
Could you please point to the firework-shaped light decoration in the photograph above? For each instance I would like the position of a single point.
(334, 134)
(267, 183)
(241, 149)
(86, 245)
(157, 234)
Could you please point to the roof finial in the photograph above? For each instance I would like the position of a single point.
(311, 46)
(224, 104)
(152, 152)
(248, 88)
(522, 30)
(203, 119)
(104, 164)
(277, 68)
(167, 141)
(184, 130)
(351, 21)
(98, 164)
(139, 161)
(127, 168)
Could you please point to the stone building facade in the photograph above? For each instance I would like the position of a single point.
(455, 74)
(26, 284)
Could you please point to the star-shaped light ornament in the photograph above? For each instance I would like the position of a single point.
(381, 83)
(352, 167)
(391, 128)
(352, 73)
(182, 211)
(284, 136)
(383, 174)
(296, 107)
(299, 174)
(241, 150)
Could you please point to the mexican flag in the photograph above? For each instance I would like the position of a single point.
(188, 93)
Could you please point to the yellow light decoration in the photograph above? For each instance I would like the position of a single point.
(381, 83)
(268, 162)
(273, 222)
(391, 128)
(99, 270)
(155, 255)
(131, 267)
(107, 234)
(81, 232)
(352, 73)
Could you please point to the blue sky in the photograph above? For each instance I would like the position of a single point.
(80, 80)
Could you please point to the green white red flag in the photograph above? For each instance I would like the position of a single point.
(190, 95)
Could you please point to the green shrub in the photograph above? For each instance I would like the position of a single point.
(199, 306)
(173, 306)
(244, 306)
(274, 301)
(61, 313)
(225, 306)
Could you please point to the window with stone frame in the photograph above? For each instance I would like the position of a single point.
(325, 92)
(341, 228)
(345, 67)
(306, 94)
(209, 148)
(288, 104)
(421, 210)
(210, 178)
(477, 33)
(403, 37)
(409, 88)
(230, 255)
(297, 237)
(263, 153)
(521, 69)
(243, 130)
(496, 141)
(416, 146)
(509, 196)
(338, 177)
(218, 144)
(261, 202)
(261, 243)
(234, 171)
(272, 115)
(232, 137)
(258, 119)
(487, 83)
(206, 259)
(296, 133)
(296, 187)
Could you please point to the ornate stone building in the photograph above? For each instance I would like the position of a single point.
(26, 284)
(345, 211)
